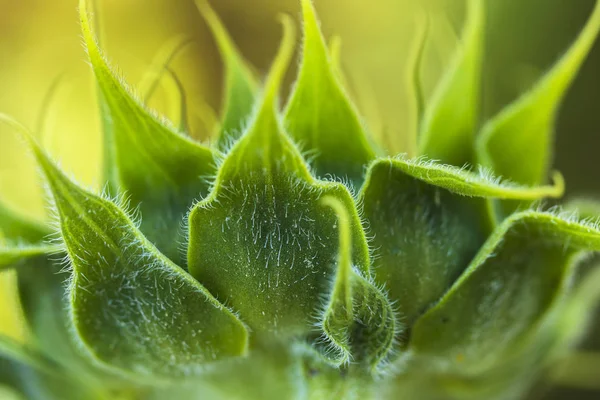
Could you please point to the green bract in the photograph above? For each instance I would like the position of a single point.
(296, 259)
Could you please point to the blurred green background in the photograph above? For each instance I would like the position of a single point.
(40, 40)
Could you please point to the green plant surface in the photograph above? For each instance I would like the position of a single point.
(296, 256)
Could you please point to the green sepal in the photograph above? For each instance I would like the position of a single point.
(159, 67)
(261, 241)
(13, 255)
(160, 170)
(17, 227)
(450, 120)
(502, 297)
(240, 85)
(319, 115)
(358, 321)
(428, 221)
(43, 295)
(415, 81)
(132, 309)
(517, 142)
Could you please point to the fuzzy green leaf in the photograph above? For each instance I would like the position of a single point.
(503, 295)
(159, 169)
(132, 308)
(44, 301)
(240, 85)
(320, 116)
(159, 68)
(428, 221)
(450, 120)
(359, 321)
(16, 227)
(261, 241)
(517, 142)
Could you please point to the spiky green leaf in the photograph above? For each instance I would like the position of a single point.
(261, 241)
(240, 84)
(320, 116)
(131, 307)
(161, 171)
(517, 142)
(415, 81)
(43, 296)
(450, 120)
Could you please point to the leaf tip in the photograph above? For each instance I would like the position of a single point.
(282, 59)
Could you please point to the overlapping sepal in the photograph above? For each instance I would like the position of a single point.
(160, 170)
(320, 117)
(241, 87)
(261, 241)
(428, 221)
(450, 119)
(131, 308)
(507, 293)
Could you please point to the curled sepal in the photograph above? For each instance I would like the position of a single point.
(159, 169)
(320, 116)
(428, 221)
(449, 122)
(240, 84)
(517, 142)
(261, 241)
(131, 307)
(503, 296)
(358, 321)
